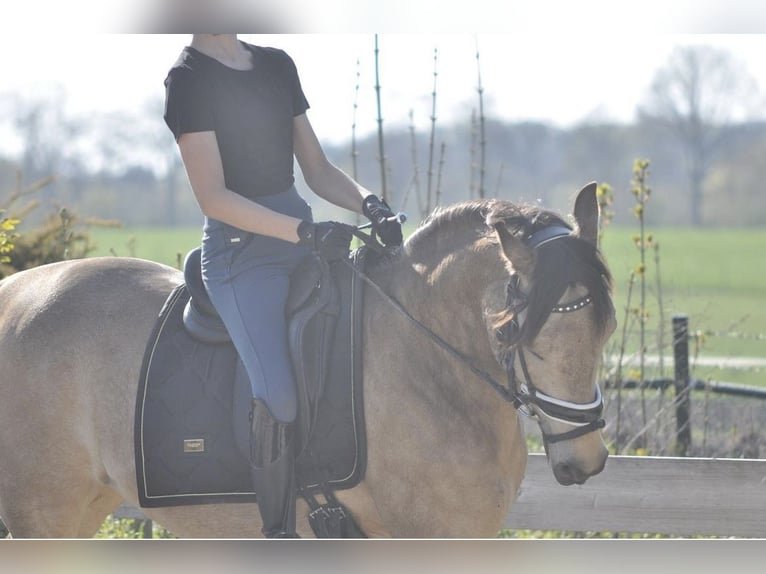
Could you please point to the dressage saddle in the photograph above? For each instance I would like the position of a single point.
(193, 397)
(313, 306)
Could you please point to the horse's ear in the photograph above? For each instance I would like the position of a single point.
(521, 256)
(586, 213)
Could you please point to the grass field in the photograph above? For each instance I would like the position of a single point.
(715, 276)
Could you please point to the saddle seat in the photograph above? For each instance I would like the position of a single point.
(202, 321)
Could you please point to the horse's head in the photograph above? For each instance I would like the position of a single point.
(556, 319)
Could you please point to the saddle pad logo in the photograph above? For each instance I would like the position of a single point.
(194, 445)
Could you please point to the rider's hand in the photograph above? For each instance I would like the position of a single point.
(383, 220)
(330, 239)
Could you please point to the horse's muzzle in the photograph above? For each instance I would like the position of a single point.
(568, 473)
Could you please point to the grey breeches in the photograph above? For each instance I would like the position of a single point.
(247, 276)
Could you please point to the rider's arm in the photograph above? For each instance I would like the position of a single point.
(325, 179)
(202, 160)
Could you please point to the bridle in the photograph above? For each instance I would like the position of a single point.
(525, 396)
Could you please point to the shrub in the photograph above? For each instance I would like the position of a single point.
(58, 236)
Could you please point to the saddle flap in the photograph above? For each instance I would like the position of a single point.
(306, 278)
(311, 330)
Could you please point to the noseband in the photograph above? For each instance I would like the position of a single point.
(527, 398)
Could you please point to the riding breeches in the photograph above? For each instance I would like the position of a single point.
(247, 276)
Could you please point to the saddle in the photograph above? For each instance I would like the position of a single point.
(191, 426)
(313, 307)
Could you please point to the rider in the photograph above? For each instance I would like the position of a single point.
(238, 114)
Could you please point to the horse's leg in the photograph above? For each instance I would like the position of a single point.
(29, 510)
(52, 484)
(106, 502)
(359, 501)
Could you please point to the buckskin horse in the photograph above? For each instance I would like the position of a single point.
(507, 311)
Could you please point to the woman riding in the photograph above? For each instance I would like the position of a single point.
(238, 114)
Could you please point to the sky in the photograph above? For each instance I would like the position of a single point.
(555, 61)
(560, 80)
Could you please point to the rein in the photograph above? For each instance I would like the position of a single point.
(523, 395)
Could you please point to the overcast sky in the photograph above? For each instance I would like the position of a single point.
(562, 80)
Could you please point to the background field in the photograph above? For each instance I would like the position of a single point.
(715, 276)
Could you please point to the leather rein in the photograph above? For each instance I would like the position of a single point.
(520, 391)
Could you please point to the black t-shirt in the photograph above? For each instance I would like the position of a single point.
(250, 111)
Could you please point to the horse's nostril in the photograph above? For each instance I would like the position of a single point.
(567, 474)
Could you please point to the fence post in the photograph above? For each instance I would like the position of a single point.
(681, 384)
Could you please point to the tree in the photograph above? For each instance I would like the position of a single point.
(45, 130)
(138, 139)
(698, 95)
(735, 186)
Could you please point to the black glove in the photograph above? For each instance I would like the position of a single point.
(330, 239)
(383, 221)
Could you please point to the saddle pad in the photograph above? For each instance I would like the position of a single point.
(185, 446)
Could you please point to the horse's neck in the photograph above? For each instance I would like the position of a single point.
(449, 293)
(417, 385)
(448, 275)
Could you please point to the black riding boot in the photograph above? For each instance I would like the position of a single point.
(272, 460)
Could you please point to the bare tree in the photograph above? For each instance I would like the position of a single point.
(45, 130)
(699, 93)
(138, 138)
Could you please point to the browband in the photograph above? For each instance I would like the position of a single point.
(547, 234)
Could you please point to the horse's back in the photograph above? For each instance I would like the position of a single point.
(71, 339)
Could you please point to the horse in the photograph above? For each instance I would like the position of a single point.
(492, 291)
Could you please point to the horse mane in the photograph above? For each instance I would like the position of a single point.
(558, 264)
(473, 213)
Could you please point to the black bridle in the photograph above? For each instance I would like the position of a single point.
(525, 396)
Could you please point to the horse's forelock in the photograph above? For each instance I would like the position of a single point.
(560, 264)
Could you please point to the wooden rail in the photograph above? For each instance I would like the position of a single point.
(663, 495)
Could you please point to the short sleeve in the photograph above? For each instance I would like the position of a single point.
(300, 103)
(188, 103)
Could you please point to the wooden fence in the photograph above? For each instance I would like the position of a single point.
(662, 495)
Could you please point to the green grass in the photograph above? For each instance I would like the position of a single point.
(715, 276)
(163, 245)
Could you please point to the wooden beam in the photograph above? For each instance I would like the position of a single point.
(663, 495)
